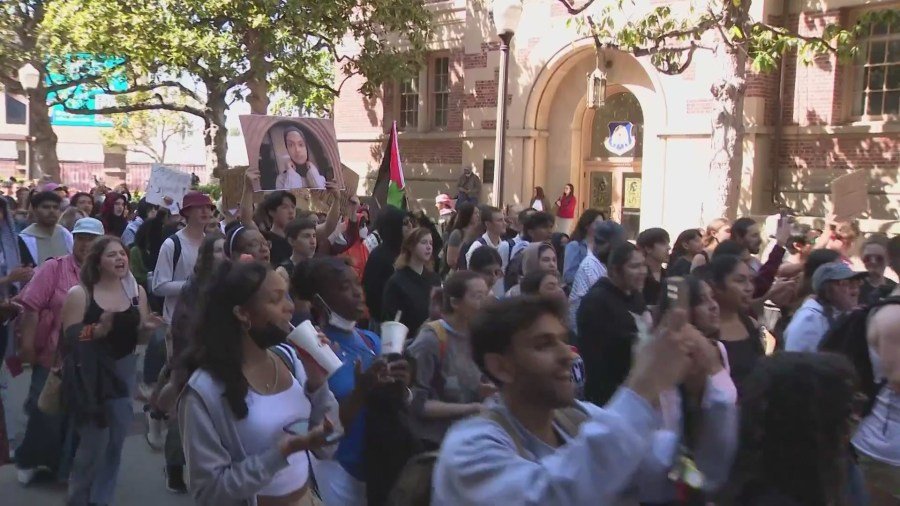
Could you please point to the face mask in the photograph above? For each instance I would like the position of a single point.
(268, 336)
(336, 320)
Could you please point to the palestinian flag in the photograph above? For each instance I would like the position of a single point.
(390, 186)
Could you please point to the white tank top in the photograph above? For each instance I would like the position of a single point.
(264, 427)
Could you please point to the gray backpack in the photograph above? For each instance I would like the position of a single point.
(413, 487)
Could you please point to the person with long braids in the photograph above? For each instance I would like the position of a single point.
(108, 310)
(372, 391)
(246, 386)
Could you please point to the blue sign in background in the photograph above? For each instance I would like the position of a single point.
(83, 96)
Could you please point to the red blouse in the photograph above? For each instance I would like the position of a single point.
(566, 207)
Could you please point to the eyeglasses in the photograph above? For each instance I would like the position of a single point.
(875, 259)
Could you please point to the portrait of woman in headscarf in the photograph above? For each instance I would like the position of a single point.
(296, 170)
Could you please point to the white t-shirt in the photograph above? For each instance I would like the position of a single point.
(168, 279)
(263, 427)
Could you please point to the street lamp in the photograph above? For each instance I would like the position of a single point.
(596, 84)
(506, 14)
(29, 78)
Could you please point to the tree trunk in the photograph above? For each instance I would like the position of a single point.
(258, 83)
(259, 95)
(727, 163)
(215, 134)
(44, 159)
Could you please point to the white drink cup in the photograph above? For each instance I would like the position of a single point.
(393, 336)
(306, 337)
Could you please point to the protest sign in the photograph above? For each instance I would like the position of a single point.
(167, 182)
(292, 153)
(850, 195)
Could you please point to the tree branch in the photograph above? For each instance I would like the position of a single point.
(123, 109)
(570, 6)
(784, 32)
(320, 86)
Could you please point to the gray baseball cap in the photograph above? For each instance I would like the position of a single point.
(834, 271)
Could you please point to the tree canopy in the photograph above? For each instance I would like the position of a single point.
(198, 56)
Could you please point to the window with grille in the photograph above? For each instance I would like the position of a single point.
(409, 103)
(878, 82)
(441, 91)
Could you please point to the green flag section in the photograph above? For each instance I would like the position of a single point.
(390, 185)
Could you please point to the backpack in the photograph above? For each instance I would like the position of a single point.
(176, 253)
(513, 270)
(442, 335)
(848, 336)
(462, 262)
(413, 487)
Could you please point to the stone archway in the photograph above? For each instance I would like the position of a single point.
(556, 106)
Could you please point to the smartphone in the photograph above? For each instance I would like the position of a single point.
(678, 293)
(297, 427)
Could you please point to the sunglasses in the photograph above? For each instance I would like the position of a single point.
(875, 259)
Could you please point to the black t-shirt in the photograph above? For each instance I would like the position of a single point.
(409, 292)
(280, 250)
(680, 267)
(653, 289)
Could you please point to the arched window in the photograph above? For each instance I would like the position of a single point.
(619, 108)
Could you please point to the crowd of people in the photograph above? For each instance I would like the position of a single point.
(546, 360)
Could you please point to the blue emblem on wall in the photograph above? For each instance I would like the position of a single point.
(621, 137)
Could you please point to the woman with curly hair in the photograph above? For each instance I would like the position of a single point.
(796, 420)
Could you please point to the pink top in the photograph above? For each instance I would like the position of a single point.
(45, 294)
(566, 207)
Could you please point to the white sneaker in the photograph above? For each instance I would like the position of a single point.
(155, 433)
(26, 476)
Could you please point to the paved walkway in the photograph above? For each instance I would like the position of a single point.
(141, 481)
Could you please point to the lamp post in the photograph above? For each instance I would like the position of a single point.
(596, 86)
(506, 14)
(29, 78)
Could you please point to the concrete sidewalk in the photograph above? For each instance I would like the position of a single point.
(141, 481)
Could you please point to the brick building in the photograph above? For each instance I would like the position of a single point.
(803, 128)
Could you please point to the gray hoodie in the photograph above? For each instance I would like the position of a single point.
(220, 472)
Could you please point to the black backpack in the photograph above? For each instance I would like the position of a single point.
(848, 337)
(513, 270)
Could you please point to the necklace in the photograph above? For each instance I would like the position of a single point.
(270, 387)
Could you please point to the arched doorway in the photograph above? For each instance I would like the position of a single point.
(614, 136)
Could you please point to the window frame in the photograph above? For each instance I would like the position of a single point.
(402, 94)
(433, 92)
(858, 92)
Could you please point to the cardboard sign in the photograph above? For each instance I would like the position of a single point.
(292, 153)
(233, 186)
(167, 182)
(850, 195)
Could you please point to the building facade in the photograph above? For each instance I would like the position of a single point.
(805, 125)
(82, 153)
